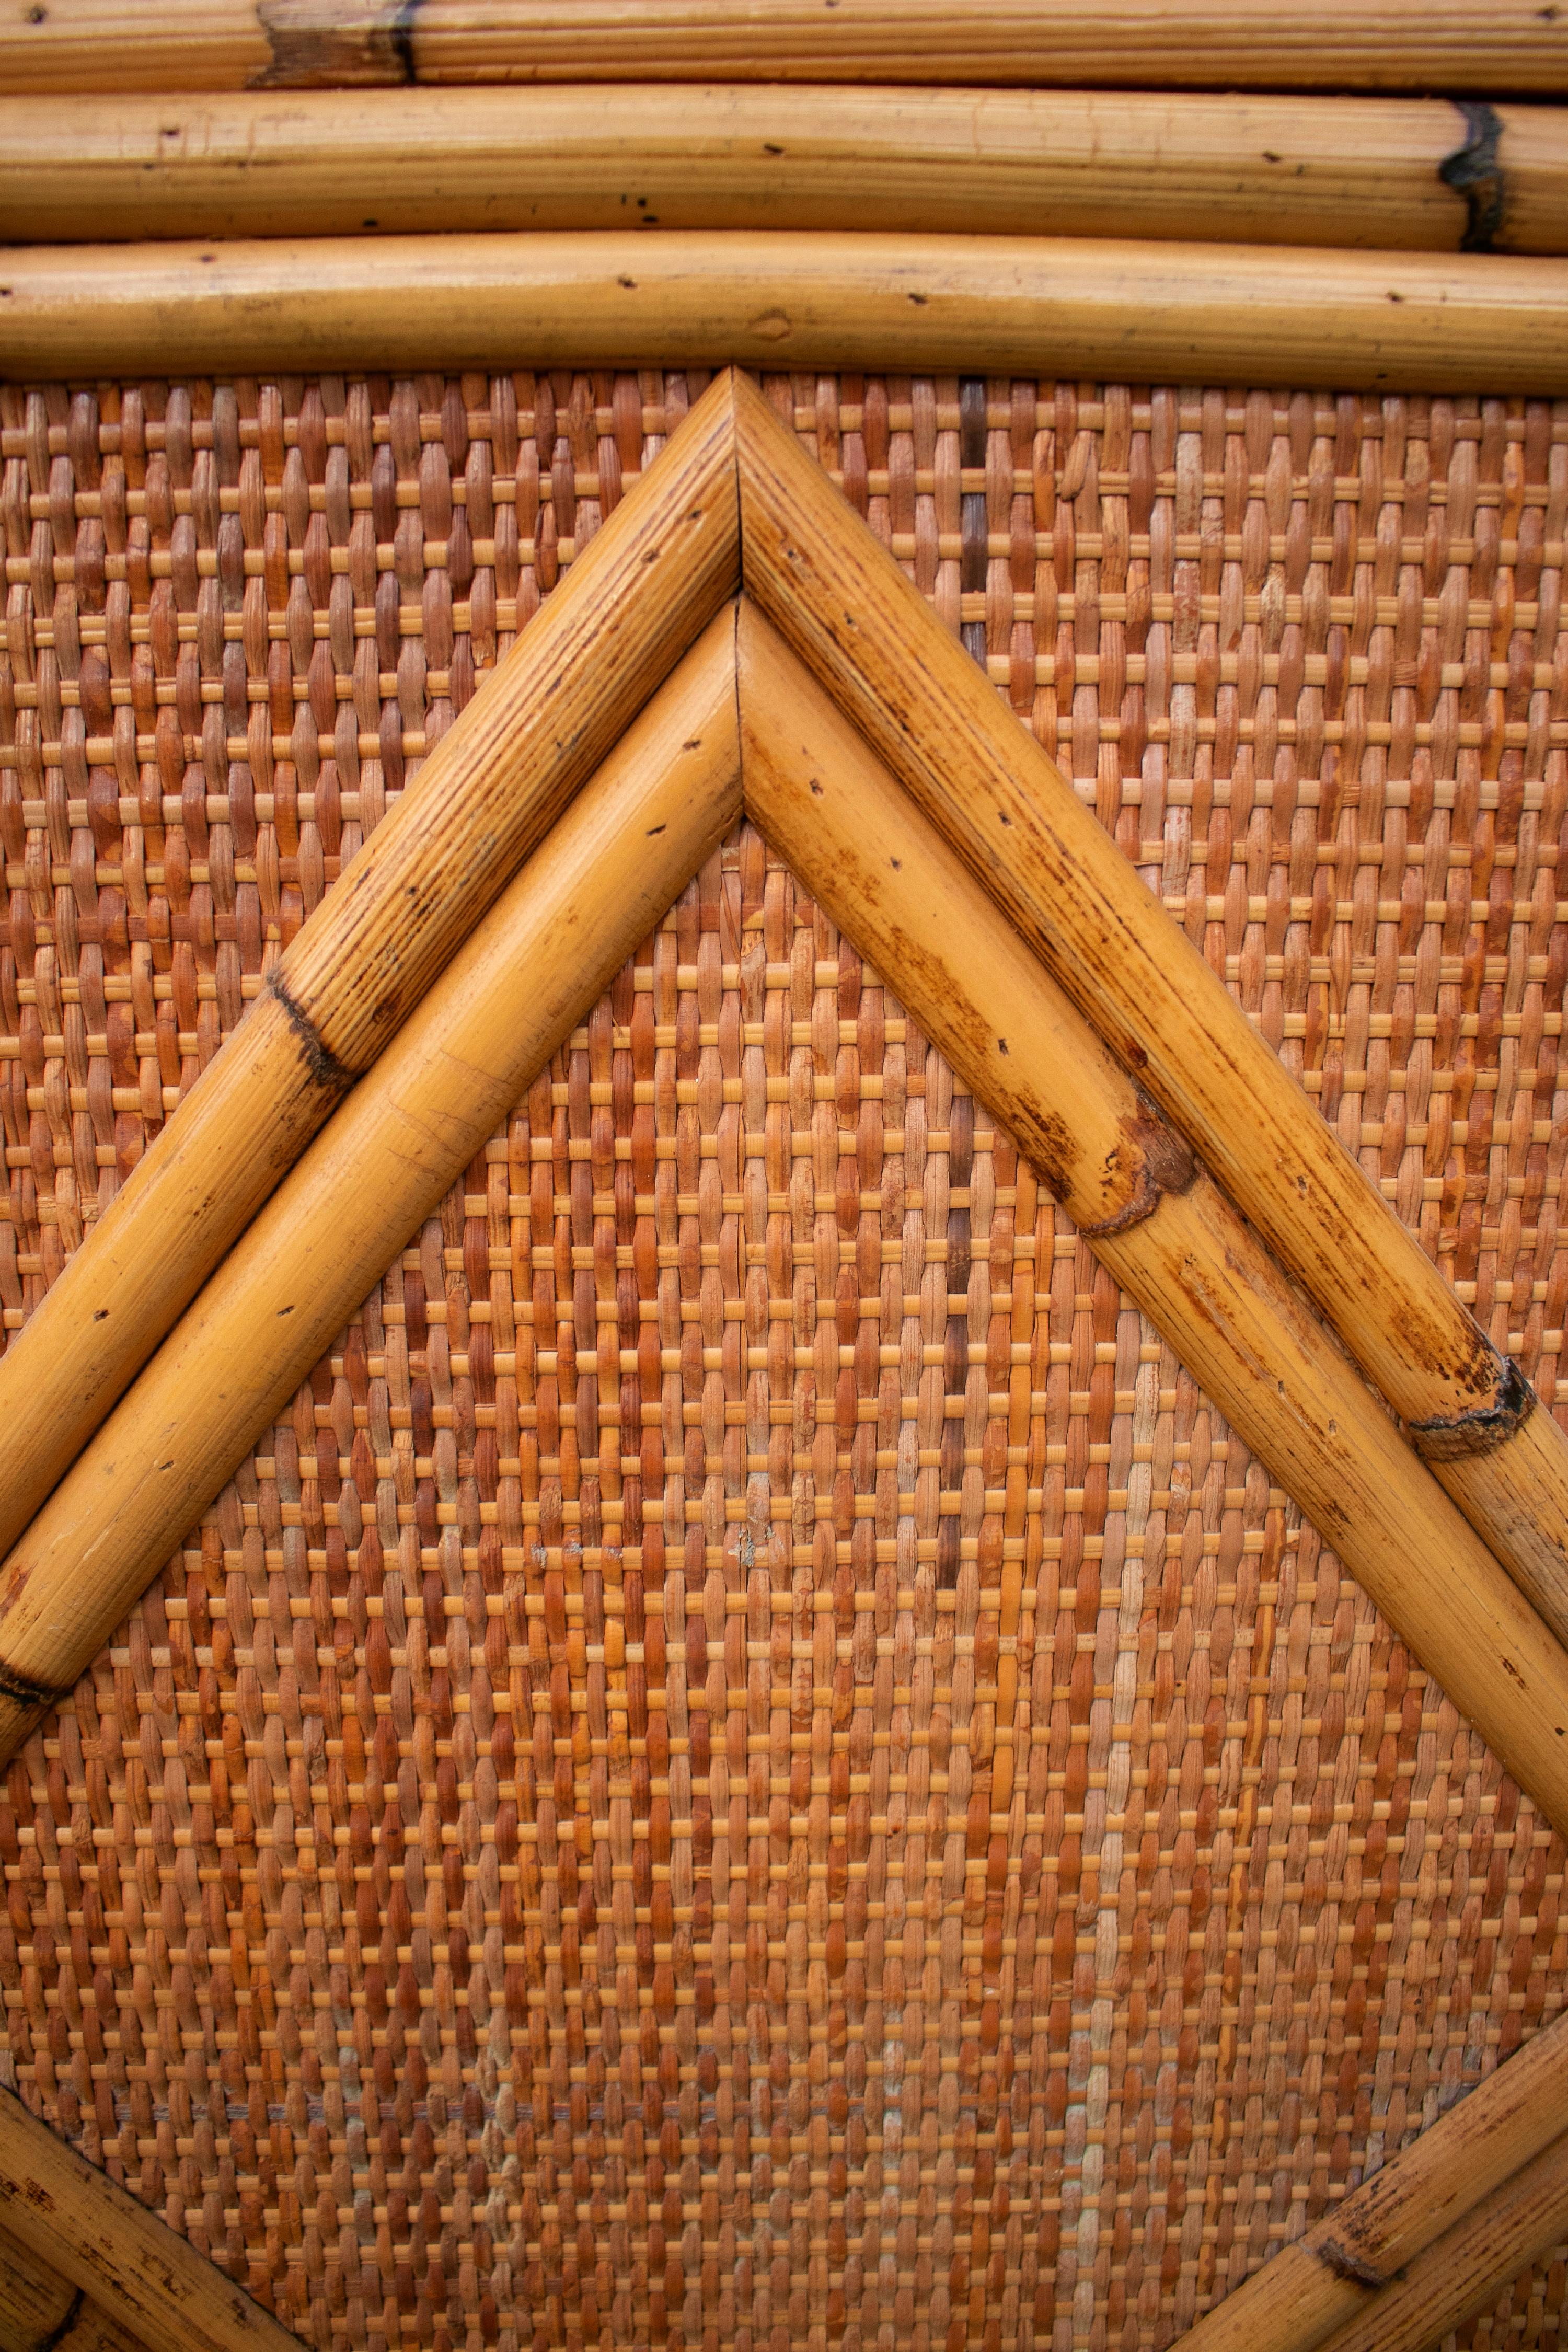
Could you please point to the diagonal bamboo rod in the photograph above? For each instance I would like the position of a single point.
(1329, 2278)
(43, 2311)
(1187, 313)
(1154, 1218)
(649, 581)
(83, 2224)
(1420, 174)
(667, 793)
(1470, 46)
(846, 607)
(1465, 2271)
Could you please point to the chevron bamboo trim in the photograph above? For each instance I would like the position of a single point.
(1335, 2276)
(667, 794)
(1411, 174)
(848, 612)
(653, 578)
(1461, 45)
(1192, 314)
(152, 2285)
(1158, 1223)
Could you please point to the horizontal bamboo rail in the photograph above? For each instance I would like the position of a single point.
(1464, 2271)
(845, 606)
(1155, 1220)
(1420, 174)
(1192, 314)
(1469, 45)
(644, 587)
(145, 2277)
(43, 2311)
(1326, 2280)
(666, 795)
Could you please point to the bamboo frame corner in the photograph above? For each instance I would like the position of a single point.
(733, 636)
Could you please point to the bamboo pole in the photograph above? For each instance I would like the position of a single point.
(1326, 2280)
(1296, 171)
(1465, 2271)
(84, 2225)
(1472, 46)
(648, 581)
(1153, 1217)
(667, 792)
(847, 608)
(1193, 313)
(41, 2311)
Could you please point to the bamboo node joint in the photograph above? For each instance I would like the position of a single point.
(1453, 1437)
(323, 1063)
(1346, 2266)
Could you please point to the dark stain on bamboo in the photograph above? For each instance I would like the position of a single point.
(67, 2321)
(1164, 1163)
(22, 1691)
(1474, 172)
(315, 48)
(1454, 1437)
(323, 1065)
(1351, 2267)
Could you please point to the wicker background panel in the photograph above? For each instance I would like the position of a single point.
(932, 1850)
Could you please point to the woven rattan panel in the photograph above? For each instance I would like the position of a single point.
(791, 1844)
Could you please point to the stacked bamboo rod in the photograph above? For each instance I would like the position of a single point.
(1468, 45)
(1421, 175)
(1193, 313)
(1426, 2242)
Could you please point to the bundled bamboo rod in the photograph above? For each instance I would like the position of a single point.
(1472, 46)
(42, 2311)
(647, 584)
(667, 792)
(847, 608)
(1196, 313)
(1156, 1219)
(1407, 173)
(1326, 2280)
(1465, 2271)
(145, 2277)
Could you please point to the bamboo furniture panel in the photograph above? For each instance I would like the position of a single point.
(1388, 172)
(1100, 550)
(1470, 46)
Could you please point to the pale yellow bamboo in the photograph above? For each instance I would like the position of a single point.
(1465, 2271)
(611, 866)
(127, 2261)
(1158, 1222)
(1194, 313)
(847, 609)
(648, 581)
(1470, 46)
(1322, 2282)
(1296, 171)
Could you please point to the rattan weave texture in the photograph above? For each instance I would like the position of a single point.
(932, 1850)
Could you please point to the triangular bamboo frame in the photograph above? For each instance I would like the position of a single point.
(870, 748)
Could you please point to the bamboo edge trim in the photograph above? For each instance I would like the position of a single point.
(1192, 314)
(83, 2223)
(281, 44)
(1426, 174)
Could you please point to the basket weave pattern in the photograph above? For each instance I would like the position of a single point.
(752, 1761)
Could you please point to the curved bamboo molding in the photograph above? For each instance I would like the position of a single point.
(1152, 1216)
(847, 609)
(667, 793)
(1418, 174)
(654, 575)
(1194, 313)
(1472, 46)
(1340, 2274)
(75, 2219)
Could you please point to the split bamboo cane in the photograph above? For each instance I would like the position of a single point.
(1472, 46)
(1467, 2270)
(84, 2225)
(649, 581)
(1325, 2280)
(1192, 314)
(1393, 173)
(1156, 1221)
(667, 792)
(846, 607)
